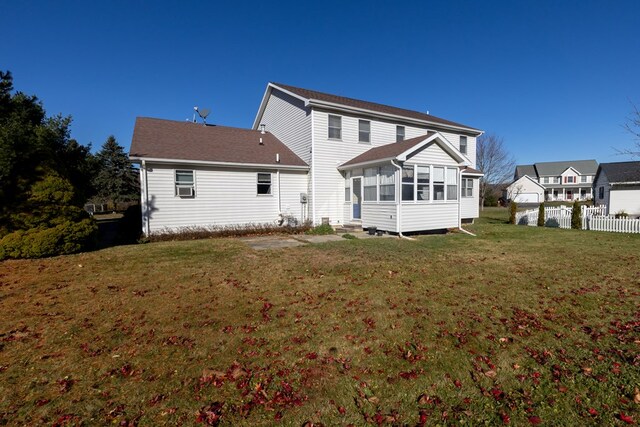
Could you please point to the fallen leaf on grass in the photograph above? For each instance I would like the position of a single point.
(491, 374)
(636, 396)
(626, 418)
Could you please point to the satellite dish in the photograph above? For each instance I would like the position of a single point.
(204, 113)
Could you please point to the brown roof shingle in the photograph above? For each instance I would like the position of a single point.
(168, 139)
(388, 151)
(371, 106)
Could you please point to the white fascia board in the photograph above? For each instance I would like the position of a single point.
(263, 105)
(567, 169)
(331, 105)
(221, 164)
(472, 174)
(622, 183)
(368, 163)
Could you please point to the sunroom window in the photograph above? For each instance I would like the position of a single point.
(407, 182)
(387, 184)
(452, 184)
(438, 183)
(370, 184)
(423, 182)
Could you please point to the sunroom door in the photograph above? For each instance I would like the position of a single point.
(356, 198)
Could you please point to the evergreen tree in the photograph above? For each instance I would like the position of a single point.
(513, 209)
(116, 180)
(541, 215)
(576, 216)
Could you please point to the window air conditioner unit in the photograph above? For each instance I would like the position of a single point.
(185, 191)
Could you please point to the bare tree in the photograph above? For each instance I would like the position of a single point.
(633, 127)
(494, 161)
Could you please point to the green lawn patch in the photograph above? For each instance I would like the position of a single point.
(520, 325)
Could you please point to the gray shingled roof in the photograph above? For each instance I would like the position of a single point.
(371, 106)
(522, 170)
(621, 172)
(585, 167)
(168, 139)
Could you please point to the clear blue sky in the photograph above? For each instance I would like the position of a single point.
(554, 78)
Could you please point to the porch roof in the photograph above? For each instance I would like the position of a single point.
(388, 151)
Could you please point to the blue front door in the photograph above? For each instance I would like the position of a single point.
(356, 197)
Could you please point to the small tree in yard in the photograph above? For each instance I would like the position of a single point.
(513, 208)
(116, 180)
(541, 215)
(576, 216)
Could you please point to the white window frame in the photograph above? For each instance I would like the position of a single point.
(463, 138)
(431, 184)
(184, 184)
(362, 132)
(466, 187)
(584, 179)
(329, 128)
(259, 183)
(391, 185)
(400, 136)
(347, 187)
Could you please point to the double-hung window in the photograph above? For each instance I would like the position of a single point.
(438, 183)
(452, 184)
(601, 192)
(387, 184)
(370, 184)
(335, 127)
(583, 178)
(423, 182)
(399, 133)
(364, 131)
(184, 183)
(264, 184)
(467, 187)
(407, 182)
(463, 144)
(570, 179)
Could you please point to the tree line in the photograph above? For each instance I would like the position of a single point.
(46, 177)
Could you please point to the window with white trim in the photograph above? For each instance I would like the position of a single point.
(408, 182)
(583, 178)
(570, 179)
(335, 127)
(387, 183)
(438, 183)
(423, 182)
(347, 186)
(264, 184)
(467, 187)
(184, 183)
(546, 180)
(452, 184)
(364, 131)
(370, 185)
(463, 144)
(400, 133)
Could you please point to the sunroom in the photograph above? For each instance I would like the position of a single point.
(408, 186)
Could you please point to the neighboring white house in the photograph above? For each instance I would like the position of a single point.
(525, 190)
(355, 162)
(617, 186)
(560, 181)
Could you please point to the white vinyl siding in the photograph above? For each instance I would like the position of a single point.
(224, 197)
(381, 216)
(289, 120)
(429, 216)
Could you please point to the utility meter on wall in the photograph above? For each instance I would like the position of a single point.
(303, 198)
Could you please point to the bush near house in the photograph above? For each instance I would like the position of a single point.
(576, 216)
(513, 209)
(541, 219)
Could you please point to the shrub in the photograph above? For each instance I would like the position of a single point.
(65, 238)
(238, 230)
(321, 229)
(576, 216)
(348, 236)
(621, 214)
(130, 227)
(541, 215)
(513, 208)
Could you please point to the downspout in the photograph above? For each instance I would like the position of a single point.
(146, 229)
(399, 201)
(279, 195)
(313, 171)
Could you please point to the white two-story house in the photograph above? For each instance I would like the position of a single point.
(354, 162)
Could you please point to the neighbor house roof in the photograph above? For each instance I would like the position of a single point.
(537, 170)
(311, 96)
(171, 140)
(522, 170)
(621, 172)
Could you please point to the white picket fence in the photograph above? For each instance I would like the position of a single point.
(593, 218)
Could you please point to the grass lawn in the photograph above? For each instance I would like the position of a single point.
(518, 325)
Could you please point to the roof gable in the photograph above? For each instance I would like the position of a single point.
(341, 102)
(527, 178)
(403, 150)
(172, 140)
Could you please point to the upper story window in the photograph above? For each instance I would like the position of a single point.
(335, 127)
(264, 184)
(601, 192)
(184, 183)
(364, 131)
(570, 179)
(463, 144)
(400, 133)
(584, 178)
(546, 180)
(438, 183)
